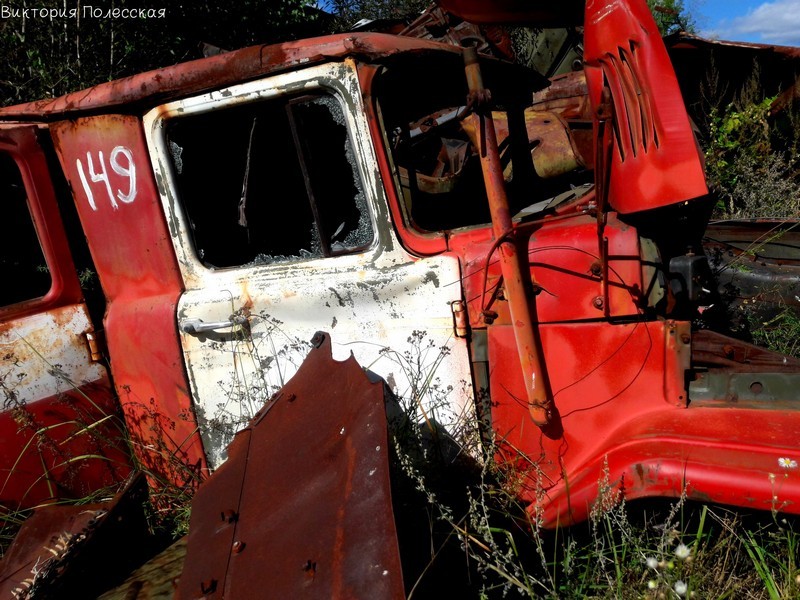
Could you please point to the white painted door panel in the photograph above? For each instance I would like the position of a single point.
(389, 309)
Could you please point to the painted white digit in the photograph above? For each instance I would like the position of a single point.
(129, 172)
(86, 188)
(101, 176)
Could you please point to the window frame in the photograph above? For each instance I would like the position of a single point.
(338, 80)
(19, 142)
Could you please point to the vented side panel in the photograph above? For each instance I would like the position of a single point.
(655, 161)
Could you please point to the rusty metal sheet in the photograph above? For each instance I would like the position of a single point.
(441, 26)
(220, 71)
(756, 262)
(76, 551)
(311, 515)
(552, 149)
(714, 350)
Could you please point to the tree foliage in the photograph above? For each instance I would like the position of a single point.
(351, 11)
(671, 16)
(63, 45)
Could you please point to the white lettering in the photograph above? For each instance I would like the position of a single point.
(122, 163)
(129, 172)
(101, 176)
(86, 188)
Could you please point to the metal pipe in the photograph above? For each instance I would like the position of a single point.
(520, 299)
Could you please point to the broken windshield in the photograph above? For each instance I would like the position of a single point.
(434, 148)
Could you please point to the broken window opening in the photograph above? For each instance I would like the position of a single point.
(433, 145)
(22, 263)
(269, 182)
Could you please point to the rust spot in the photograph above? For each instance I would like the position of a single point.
(639, 472)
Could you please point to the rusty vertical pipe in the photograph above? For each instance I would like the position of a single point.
(522, 316)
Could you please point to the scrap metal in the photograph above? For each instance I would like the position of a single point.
(302, 507)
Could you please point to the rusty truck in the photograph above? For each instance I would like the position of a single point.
(519, 255)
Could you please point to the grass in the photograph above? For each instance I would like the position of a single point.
(779, 333)
(106, 435)
(646, 549)
(463, 533)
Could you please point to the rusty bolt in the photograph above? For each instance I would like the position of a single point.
(756, 387)
(317, 340)
(598, 302)
(686, 338)
(310, 568)
(596, 269)
(229, 516)
(489, 316)
(208, 586)
(238, 547)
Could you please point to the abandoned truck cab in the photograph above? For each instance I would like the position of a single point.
(519, 264)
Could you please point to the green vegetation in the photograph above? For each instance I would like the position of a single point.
(752, 156)
(645, 549)
(350, 12)
(54, 47)
(671, 16)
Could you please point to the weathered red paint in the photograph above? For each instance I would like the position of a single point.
(620, 413)
(517, 283)
(563, 251)
(156, 87)
(136, 265)
(55, 445)
(656, 160)
(63, 446)
(20, 142)
(616, 370)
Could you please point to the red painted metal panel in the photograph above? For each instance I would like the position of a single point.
(20, 142)
(76, 551)
(63, 446)
(563, 254)
(106, 162)
(620, 411)
(655, 160)
(60, 434)
(414, 241)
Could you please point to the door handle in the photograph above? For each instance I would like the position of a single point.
(195, 326)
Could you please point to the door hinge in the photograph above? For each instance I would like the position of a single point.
(460, 321)
(94, 345)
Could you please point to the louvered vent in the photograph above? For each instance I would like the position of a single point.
(635, 127)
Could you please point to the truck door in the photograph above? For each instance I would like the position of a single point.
(281, 229)
(58, 420)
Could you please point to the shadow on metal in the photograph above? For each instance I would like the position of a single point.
(302, 508)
